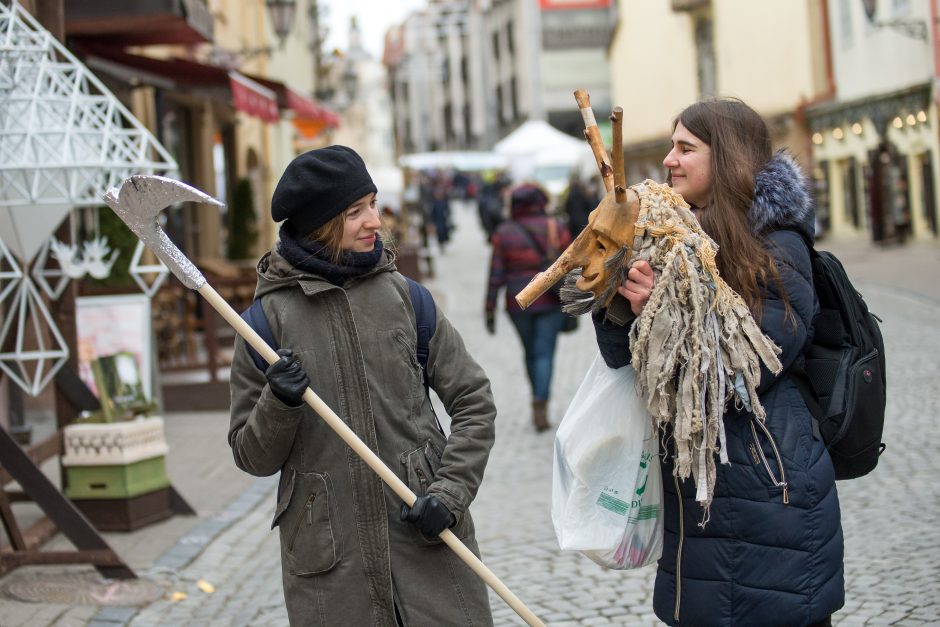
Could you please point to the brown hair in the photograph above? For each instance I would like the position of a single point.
(331, 235)
(740, 147)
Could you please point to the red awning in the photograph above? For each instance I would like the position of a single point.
(252, 98)
(305, 108)
(245, 94)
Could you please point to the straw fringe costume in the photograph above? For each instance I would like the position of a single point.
(771, 550)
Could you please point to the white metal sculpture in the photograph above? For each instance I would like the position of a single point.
(156, 273)
(64, 140)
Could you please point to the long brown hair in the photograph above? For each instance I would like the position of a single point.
(740, 147)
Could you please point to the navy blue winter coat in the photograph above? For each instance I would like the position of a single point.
(771, 551)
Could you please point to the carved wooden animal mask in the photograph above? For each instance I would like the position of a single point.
(610, 226)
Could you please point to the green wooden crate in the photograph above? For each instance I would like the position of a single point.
(116, 481)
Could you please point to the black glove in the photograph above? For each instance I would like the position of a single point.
(429, 515)
(491, 322)
(287, 378)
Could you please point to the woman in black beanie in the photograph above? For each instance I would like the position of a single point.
(351, 552)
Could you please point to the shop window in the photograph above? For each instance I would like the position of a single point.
(854, 209)
(929, 197)
(821, 196)
(705, 56)
(888, 191)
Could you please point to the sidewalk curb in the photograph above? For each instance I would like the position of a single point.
(194, 542)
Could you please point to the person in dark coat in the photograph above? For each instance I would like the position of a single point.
(771, 549)
(578, 205)
(523, 246)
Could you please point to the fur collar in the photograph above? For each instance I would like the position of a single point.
(781, 197)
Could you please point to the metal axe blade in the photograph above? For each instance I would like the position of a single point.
(139, 201)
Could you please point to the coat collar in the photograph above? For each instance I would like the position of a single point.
(781, 198)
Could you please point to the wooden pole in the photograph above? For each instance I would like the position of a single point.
(368, 456)
(593, 136)
(616, 149)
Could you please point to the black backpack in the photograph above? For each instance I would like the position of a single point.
(843, 381)
(425, 324)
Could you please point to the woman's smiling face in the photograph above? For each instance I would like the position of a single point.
(362, 224)
(690, 166)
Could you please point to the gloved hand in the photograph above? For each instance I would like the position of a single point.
(287, 378)
(429, 515)
(491, 322)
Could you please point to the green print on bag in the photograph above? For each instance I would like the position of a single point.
(608, 501)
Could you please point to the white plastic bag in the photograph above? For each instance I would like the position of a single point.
(606, 483)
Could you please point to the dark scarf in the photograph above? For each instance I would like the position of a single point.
(313, 257)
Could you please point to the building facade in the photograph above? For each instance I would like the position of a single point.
(229, 97)
(875, 143)
(666, 55)
(464, 74)
(461, 74)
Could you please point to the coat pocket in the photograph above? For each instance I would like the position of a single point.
(401, 374)
(421, 466)
(307, 519)
(770, 466)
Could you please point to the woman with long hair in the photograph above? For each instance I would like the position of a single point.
(770, 552)
(351, 552)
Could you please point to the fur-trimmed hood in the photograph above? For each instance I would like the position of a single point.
(782, 198)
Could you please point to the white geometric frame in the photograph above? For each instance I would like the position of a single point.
(137, 270)
(42, 275)
(12, 277)
(65, 139)
(28, 305)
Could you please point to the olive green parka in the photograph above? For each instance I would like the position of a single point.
(346, 557)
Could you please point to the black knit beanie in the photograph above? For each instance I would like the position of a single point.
(319, 185)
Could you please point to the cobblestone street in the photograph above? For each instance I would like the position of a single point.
(889, 518)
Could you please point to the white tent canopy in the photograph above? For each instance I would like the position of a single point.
(466, 160)
(390, 183)
(536, 147)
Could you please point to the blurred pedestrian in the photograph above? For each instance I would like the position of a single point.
(523, 246)
(351, 552)
(579, 203)
(490, 204)
(440, 212)
(770, 551)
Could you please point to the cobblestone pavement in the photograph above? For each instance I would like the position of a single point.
(889, 518)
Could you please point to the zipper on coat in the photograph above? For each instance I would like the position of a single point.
(308, 515)
(422, 479)
(675, 614)
(782, 483)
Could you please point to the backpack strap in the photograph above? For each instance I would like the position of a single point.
(801, 381)
(425, 325)
(797, 373)
(425, 322)
(256, 319)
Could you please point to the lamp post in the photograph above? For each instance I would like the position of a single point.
(282, 16)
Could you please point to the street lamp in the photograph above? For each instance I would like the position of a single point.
(282, 15)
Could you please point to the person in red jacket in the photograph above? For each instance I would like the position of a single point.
(523, 246)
